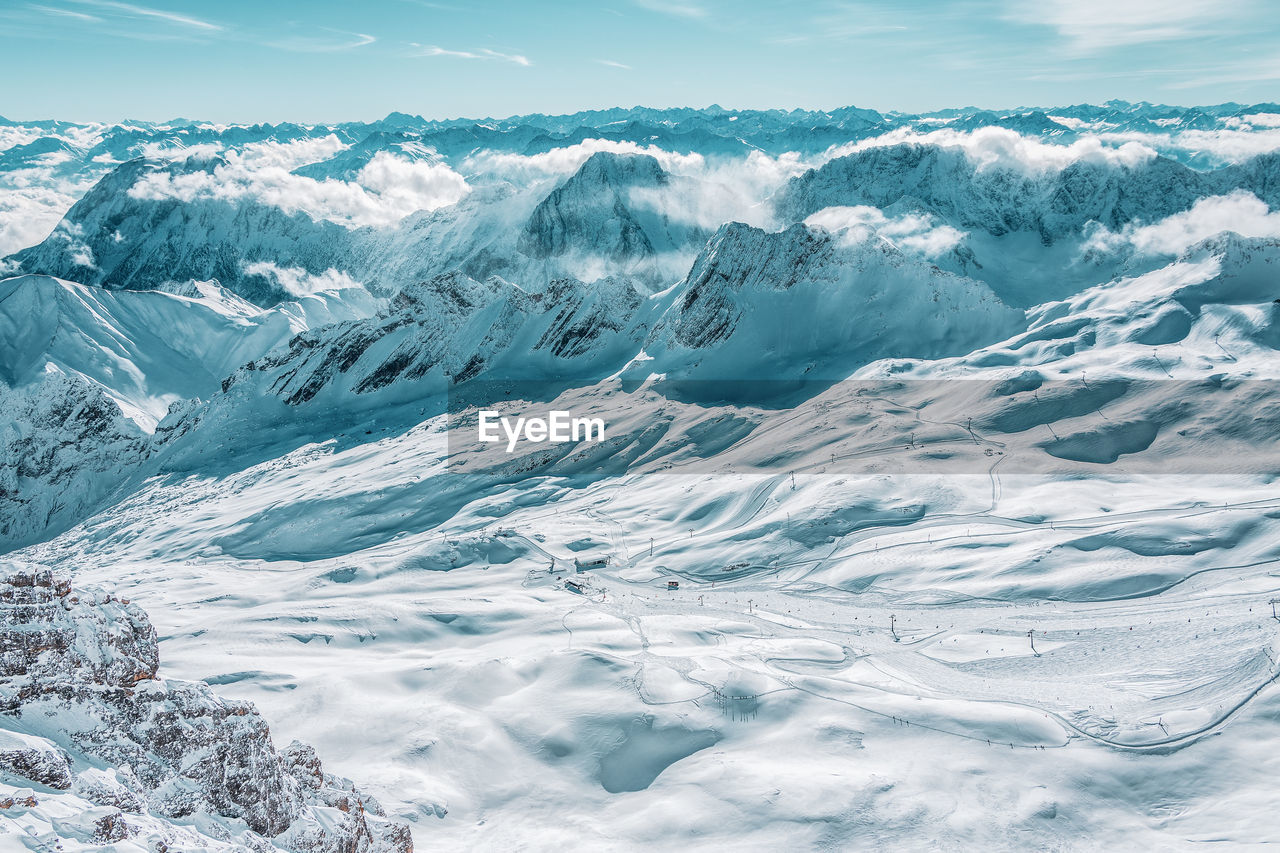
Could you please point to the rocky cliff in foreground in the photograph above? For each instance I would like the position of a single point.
(97, 749)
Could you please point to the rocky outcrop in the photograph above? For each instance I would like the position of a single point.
(35, 759)
(86, 373)
(85, 712)
(452, 328)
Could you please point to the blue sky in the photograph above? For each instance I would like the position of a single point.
(323, 60)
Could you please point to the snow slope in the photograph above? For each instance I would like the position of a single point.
(86, 374)
(148, 349)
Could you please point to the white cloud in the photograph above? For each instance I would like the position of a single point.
(566, 160)
(72, 235)
(1227, 145)
(291, 155)
(299, 282)
(13, 136)
(999, 147)
(86, 135)
(919, 234)
(1091, 26)
(329, 41)
(34, 198)
(1239, 211)
(66, 13)
(733, 188)
(759, 175)
(1263, 119)
(612, 64)
(286, 155)
(482, 54)
(32, 201)
(384, 192)
(28, 214)
(756, 175)
(509, 57)
(1248, 122)
(407, 186)
(168, 151)
(132, 11)
(673, 8)
(82, 256)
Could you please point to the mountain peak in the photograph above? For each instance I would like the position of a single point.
(595, 212)
(610, 167)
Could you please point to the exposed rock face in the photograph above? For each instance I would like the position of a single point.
(35, 759)
(86, 373)
(591, 211)
(623, 214)
(117, 240)
(804, 303)
(65, 446)
(79, 688)
(455, 327)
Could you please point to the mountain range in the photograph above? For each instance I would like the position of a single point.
(938, 448)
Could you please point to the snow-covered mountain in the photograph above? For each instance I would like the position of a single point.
(1212, 309)
(1052, 203)
(87, 373)
(804, 303)
(625, 210)
(114, 238)
(453, 328)
(938, 446)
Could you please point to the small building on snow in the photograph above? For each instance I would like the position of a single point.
(591, 563)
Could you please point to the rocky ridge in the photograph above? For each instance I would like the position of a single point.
(96, 747)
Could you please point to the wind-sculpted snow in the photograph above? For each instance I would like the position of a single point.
(1211, 311)
(148, 349)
